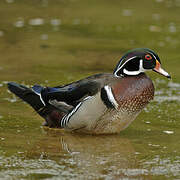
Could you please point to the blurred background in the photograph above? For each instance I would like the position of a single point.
(53, 42)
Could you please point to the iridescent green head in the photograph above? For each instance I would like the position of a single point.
(138, 61)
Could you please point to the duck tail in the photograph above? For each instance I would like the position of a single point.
(26, 94)
(49, 112)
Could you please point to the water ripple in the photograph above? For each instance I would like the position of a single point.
(169, 92)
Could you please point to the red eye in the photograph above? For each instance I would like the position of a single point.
(148, 57)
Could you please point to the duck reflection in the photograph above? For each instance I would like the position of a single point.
(92, 155)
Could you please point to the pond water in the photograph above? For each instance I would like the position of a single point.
(57, 42)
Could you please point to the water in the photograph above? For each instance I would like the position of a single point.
(57, 42)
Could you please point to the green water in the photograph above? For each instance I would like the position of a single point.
(60, 41)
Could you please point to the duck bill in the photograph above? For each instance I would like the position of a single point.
(161, 71)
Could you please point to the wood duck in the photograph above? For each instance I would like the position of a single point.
(100, 104)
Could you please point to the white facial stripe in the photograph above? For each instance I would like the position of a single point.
(111, 96)
(133, 73)
(123, 65)
(152, 55)
(141, 69)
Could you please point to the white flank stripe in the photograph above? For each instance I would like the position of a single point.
(63, 120)
(111, 96)
(67, 117)
(72, 112)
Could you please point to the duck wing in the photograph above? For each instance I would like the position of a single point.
(70, 95)
(53, 103)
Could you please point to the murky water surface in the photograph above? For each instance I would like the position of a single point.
(56, 42)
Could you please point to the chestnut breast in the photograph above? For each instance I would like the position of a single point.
(133, 93)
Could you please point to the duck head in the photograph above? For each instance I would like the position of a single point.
(138, 61)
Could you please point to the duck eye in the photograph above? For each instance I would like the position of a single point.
(148, 57)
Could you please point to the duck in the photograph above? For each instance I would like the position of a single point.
(104, 103)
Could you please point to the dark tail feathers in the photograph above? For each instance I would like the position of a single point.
(26, 94)
(50, 113)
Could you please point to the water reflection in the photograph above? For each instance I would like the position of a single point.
(93, 154)
(156, 16)
(169, 132)
(57, 154)
(71, 155)
(1, 33)
(19, 23)
(9, 1)
(36, 22)
(169, 93)
(127, 12)
(154, 28)
(76, 22)
(44, 37)
(55, 22)
(172, 28)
